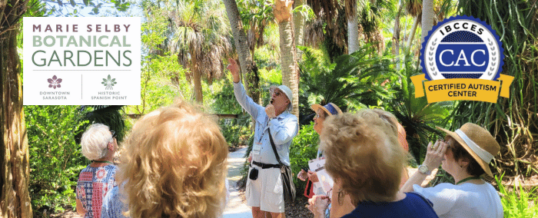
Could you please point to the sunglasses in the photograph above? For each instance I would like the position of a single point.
(113, 133)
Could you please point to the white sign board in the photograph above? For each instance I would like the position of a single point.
(81, 61)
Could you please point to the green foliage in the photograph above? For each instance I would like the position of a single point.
(513, 120)
(236, 131)
(107, 115)
(55, 158)
(354, 81)
(518, 203)
(416, 115)
(225, 102)
(303, 148)
(73, 8)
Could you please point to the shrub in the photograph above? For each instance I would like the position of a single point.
(303, 148)
(55, 158)
(236, 131)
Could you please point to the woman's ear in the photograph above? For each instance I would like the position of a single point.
(110, 145)
(464, 162)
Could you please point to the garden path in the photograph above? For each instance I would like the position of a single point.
(236, 208)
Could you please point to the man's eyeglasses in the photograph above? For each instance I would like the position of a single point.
(278, 93)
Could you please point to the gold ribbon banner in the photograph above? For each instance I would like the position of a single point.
(462, 89)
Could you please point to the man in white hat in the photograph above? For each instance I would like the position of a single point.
(264, 190)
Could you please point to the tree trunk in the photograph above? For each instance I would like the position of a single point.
(412, 33)
(248, 67)
(298, 23)
(352, 28)
(288, 55)
(427, 17)
(396, 36)
(197, 78)
(14, 157)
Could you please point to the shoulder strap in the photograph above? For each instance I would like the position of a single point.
(274, 148)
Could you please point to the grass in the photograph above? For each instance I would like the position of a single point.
(518, 202)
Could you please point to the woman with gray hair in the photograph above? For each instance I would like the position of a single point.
(98, 145)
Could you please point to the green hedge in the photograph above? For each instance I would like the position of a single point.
(303, 149)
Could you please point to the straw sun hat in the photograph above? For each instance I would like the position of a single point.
(330, 109)
(478, 142)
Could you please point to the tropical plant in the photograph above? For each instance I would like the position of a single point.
(104, 114)
(288, 52)
(201, 37)
(517, 203)
(416, 115)
(512, 121)
(303, 148)
(55, 158)
(236, 131)
(362, 17)
(74, 8)
(249, 69)
(339, 82)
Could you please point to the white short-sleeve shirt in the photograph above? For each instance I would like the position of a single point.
(464, 200)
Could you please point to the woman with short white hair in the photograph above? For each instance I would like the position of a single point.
(98, 145)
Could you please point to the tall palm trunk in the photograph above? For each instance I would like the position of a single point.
(298, 23)
(427, 17)
(352, 26)
(288, 54)
(14, 157)
(248, 67)
(396, 36)
(198, 94)
(412, 33)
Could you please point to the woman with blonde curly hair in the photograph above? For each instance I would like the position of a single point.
(365, 159)
(342, 204)
(174, 165)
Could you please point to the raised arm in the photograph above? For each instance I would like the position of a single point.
(433, 159)
(240, 94)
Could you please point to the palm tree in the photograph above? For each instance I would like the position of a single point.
(413, 8)
(290, 70)
(248, 67)
(427, 17)
(201, 34)
(363, 17)
(299, 24)
(352, 26)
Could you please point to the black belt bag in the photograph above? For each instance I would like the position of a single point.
(253, 175)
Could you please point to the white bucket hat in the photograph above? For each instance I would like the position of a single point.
(286, 91)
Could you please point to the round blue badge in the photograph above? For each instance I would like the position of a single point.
(462, 47)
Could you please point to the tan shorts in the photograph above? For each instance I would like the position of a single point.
(266, 192)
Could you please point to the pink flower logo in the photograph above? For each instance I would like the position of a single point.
(54, 82)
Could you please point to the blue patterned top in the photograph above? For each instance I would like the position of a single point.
(112, 205)
(92, 186)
